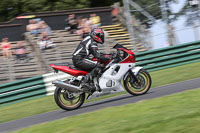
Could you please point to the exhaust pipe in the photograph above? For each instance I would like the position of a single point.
(69, 87)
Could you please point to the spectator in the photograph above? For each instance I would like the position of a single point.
(6, 46)
(79, 25)
(95, 20)
(33, 27)
(20, 52)
(71, 24)
(37, 20)
(44, 42)
(45, 28)
(86, 27)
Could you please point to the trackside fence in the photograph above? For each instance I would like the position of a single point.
(173, 56)
(152, 60)
(22, 89)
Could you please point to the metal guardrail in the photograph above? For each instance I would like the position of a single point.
(152, 60)
(22, 89)
(172, 56)
(29, 88)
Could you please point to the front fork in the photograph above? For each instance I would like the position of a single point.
(133, 72)
(133, 77)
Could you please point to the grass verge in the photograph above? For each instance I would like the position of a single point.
(45, 104)
(177, 113)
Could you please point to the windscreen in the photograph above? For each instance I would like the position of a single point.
(119, 46)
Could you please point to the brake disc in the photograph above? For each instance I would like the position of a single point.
(140, 83)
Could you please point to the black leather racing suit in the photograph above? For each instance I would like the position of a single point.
(81, 55)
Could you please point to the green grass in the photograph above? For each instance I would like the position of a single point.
(176, 74)
(177, 113)
(45, 104)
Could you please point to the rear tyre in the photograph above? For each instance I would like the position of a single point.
(138, 88)
(66, 100)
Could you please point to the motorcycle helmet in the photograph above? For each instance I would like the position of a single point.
(98, 35)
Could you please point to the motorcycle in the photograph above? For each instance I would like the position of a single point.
(119, 74)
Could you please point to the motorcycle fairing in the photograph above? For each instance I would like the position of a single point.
(69, 70)
(110, 81)
(130, 58)
(111, 78)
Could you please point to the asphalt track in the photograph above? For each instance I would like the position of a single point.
(114, 101)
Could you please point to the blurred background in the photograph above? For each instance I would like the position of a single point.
(164, 35)
(36, 33)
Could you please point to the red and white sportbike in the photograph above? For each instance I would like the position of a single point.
(119, 73)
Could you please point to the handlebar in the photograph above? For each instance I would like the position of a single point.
(115, 54)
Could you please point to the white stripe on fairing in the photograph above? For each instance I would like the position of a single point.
(87, 45)
(95, 62)
(78, 51)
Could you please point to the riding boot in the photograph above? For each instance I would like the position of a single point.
(87, 83)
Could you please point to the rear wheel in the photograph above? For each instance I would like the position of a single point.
(139, 87)
(68, 101)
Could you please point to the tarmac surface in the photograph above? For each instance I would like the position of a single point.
(89, 107)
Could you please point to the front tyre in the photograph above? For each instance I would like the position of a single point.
(139, 87)
(67, 101)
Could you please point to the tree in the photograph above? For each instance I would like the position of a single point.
(155, 9)
(101, 3)
(192, 13)
(6, 8)
(12, 8)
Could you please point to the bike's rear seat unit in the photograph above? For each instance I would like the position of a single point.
(67, 68)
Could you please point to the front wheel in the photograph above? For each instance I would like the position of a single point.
(68, 101)
(139, 86)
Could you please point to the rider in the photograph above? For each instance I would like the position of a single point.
(89, 46)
